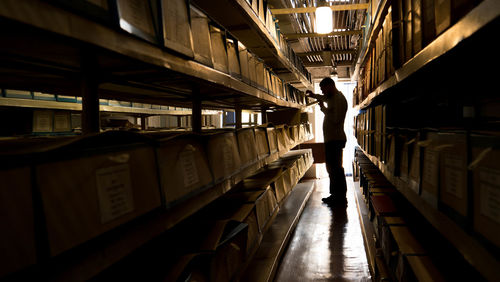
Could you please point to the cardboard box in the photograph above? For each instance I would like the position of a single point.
(44, 96)
(183, 166)
(17, 239)
(101, 189)
(259, 73)
(282, 139)
(176, 26)
(233, 60)
(223, 155)
(247, 146)
(227, 240)
(137, 17)
(405, 245)
(430, 168)
(460, 8)
(244, 65)
(18, 94)
(202, 46)
(252, 64)
(442, 15)
(453, 173)
(219, 53)
(486, 178)
(261, 142)
(43, 121)
(398, 34)
(416, 156)
(62, 121)
(272, 139)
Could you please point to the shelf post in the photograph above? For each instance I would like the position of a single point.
(91, 120)
(196, 111)
(263, 113)
(237, 114)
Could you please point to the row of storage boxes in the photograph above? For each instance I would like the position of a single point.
(261, 9)
(400, 252)
(216, 243)
(182, 28)
(254, 203)
(85, 186)
(453, 171)
(408, 27)
(23, 94)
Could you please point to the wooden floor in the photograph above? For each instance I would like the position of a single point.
(327, 244)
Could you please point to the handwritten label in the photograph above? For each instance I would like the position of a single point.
(454, 176)
(114, 192)
(188, 164)
(489, 185)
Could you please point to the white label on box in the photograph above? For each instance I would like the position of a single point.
(454, 176)
(114, 190)
(188, 165)
(490, 193)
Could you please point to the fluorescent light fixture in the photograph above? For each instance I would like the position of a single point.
(324, 20)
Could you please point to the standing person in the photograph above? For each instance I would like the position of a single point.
(335, 138)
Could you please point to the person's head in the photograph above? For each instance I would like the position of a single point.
(327, 86)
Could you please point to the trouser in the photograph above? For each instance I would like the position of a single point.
(333, 152)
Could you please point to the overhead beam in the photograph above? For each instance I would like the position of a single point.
(346, 7)
(335, 33)
(323, 64)
(334, 52)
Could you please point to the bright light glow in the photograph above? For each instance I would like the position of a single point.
(324, 20)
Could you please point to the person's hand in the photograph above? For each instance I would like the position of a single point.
(309, 93)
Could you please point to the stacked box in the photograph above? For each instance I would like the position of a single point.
(202, 46)
(244, 64)
(183, 166)
(486, 178)
(247, 146)
(223, 155)
(442, 15)
(261, 142)
(430, 168)
(176, 26)
(416, 25)
(102, 189)
(139, 18)
(233, 60)
(219, 53)
(453, 174)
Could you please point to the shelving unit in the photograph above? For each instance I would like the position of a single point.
(48, 48)
(485, 13)
(433, 90)
(135, 71)
(246, 25)
(55, 105)
(473, 251)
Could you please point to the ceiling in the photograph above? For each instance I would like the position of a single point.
(326, 55)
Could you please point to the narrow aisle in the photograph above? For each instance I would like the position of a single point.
(327, 244)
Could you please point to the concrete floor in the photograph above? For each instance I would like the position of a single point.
(327, 244)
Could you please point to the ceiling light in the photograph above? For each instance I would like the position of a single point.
(324, 20)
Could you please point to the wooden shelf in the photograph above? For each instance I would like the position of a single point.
(128, 68)
(473, 252)
(54, 105)
(243, 23)
(485, 13)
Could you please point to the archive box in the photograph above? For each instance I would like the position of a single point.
(202, 46)
(105, 180)
(9, 93)
(442, 15)
(223, 155)
(486, 180)
(261, 142)
(416, 25)
(139, 17)
(252, 64)
(272, 139)
(43, 121)
(99, 10)
(176, 27)
(430, 168)
(219, 52)
(247, 146)
(244, 64)
(453, 174)
(183, 166)
(232, 57)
